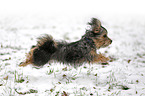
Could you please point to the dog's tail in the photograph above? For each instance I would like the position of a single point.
(47, 43)
(41, 53)
(46, 47)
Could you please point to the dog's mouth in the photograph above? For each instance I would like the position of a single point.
(107, 43)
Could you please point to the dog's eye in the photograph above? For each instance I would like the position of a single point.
(104, 35)
(97, 30)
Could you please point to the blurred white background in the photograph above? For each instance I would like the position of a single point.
(72, 7)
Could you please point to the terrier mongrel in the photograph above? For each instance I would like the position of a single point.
(74, 53)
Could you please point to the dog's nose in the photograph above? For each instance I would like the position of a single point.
(110, 41)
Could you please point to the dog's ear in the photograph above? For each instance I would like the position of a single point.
(95, 25)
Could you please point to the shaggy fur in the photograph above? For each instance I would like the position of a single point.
(75, 53)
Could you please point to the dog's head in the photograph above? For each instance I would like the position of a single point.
(98, 34)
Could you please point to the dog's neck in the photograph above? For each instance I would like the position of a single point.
(89, 41)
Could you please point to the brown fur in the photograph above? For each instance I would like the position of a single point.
(29, 58)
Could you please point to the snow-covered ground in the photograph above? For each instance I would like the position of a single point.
(22, 21)
(124, 76)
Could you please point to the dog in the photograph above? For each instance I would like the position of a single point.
(75, 53)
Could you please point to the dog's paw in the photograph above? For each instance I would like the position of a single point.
(23, 64)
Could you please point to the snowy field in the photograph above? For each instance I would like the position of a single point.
(124, 76)
(22, 21)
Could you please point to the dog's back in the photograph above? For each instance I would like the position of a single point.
(73, 53)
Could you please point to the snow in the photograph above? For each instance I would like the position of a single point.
(127, 50)
(19, 28)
